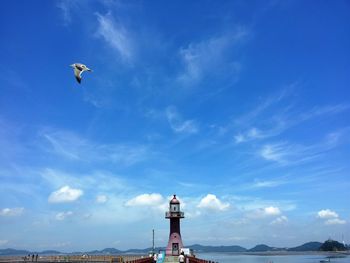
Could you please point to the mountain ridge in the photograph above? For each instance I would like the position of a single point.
(309, 246)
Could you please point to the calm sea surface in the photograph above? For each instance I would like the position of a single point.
(232, 258)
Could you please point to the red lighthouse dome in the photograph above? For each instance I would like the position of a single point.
(174, 200)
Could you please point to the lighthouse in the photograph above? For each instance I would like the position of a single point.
(175, 241)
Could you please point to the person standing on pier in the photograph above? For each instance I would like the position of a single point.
(155, 258)
(182, 257)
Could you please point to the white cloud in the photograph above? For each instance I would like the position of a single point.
(335, 221)
(101, 199)
(179, 125)
(264, 212)
(17, 211)
(146, 200)
(327, 214)
(115, 35)
(63, 215)
(211, 202)
(280, 220)
(331, 216)
(271, 210)
(65, 194)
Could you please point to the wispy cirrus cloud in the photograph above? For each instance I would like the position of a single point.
(14, 140)
(286, 153)
(16, 211)
(280, 220)
(251, 134)
(335, 221)
(322, 111)
(101, 181)
(267, 184)
(275, 152)
(276, 114)
(265, 106)
(177, 124)
(279, 123)
(101, 199)
(337, 137)
(290, 154)
(63, 215)
(264, 121)
(116, 35)
(66, 7)
(76, 148)
(209, 57)
(65, 144)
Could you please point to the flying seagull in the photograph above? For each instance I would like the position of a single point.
(78, 69)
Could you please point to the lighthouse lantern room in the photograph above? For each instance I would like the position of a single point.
(175, 241)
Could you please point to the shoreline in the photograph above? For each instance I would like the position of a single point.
(281, 253)
(265, 253)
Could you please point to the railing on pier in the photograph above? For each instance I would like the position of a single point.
(197, 260)
(93, 258)
(141, 260)
(79, 259)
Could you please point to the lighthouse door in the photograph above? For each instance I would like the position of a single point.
(175, 248)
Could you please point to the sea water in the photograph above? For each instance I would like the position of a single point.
(239, 258)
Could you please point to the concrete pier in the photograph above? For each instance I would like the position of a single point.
(79, 259)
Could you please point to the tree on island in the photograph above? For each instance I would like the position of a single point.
(332, 245)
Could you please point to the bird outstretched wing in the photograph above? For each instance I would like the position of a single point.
(78, 70)
(77, 74)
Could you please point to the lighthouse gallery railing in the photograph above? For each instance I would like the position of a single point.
(174, 214)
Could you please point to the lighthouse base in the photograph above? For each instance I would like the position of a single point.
(174, 245)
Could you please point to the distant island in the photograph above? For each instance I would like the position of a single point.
(332, 245)
(329, 245)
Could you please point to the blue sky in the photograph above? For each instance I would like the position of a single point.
(241, 108)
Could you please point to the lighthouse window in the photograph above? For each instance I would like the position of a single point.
(174, 208)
